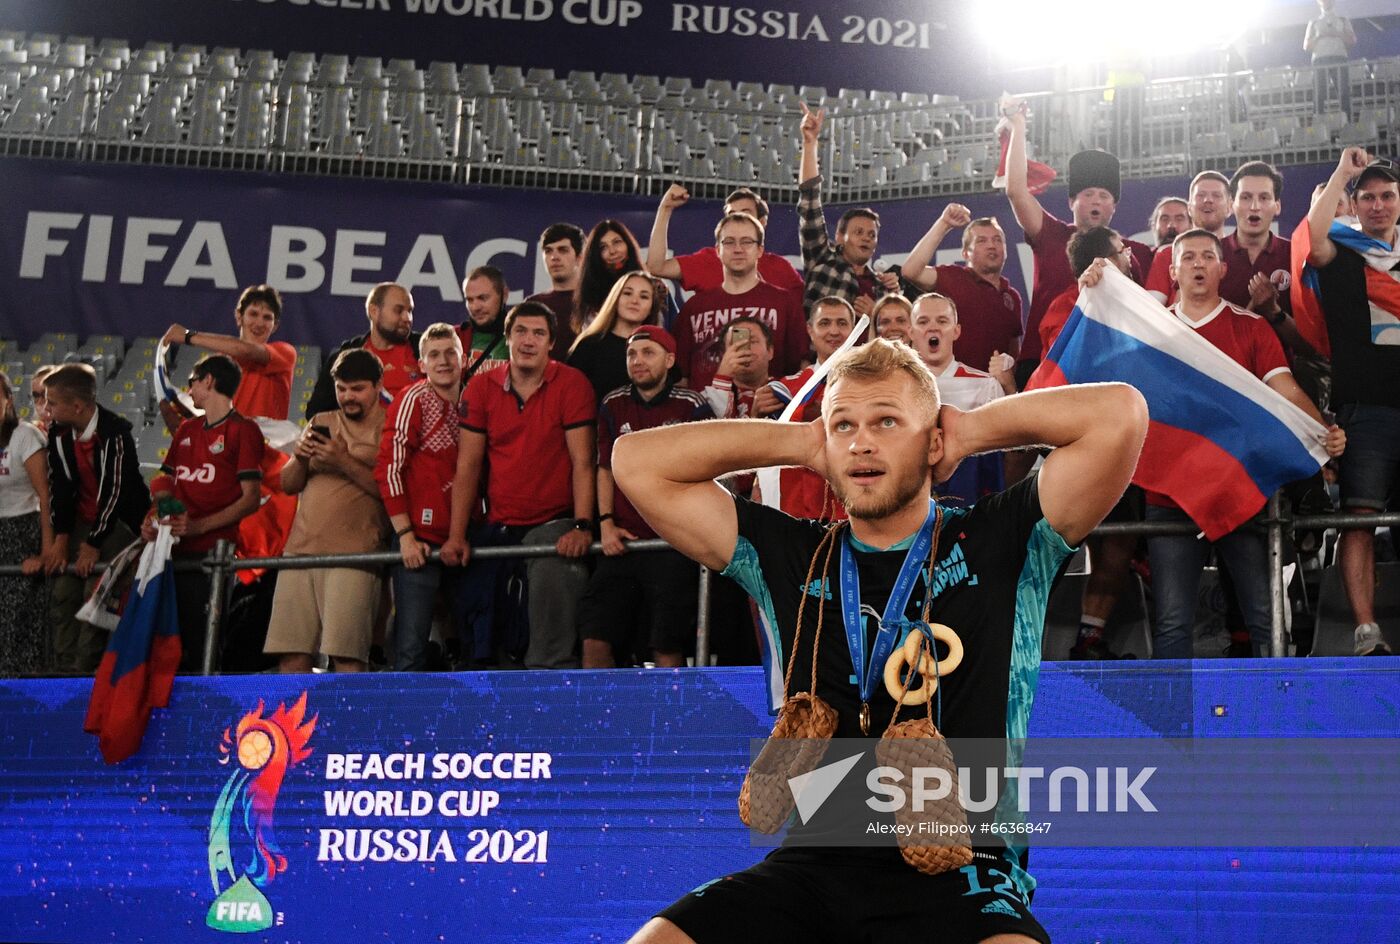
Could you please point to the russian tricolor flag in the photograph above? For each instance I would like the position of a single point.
(139, 666)
(1220, 441)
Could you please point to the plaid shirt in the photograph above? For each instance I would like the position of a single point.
(825, 270)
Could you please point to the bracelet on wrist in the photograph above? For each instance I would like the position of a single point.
(399, 534)
(607, 516)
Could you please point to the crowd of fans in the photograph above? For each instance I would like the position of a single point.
(498, 431)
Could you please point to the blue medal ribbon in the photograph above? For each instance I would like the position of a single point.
(891, 622)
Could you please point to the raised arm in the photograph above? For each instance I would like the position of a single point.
(236, 348)
(1322, 211)
(1027, 209)
(918, 267)
(669, 475)
(1096, 430)
(657, 262)
(811, 134)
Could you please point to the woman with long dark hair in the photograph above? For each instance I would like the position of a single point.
(609, 252)
(25, 534)
(600, 350)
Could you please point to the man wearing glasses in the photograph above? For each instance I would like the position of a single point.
(743, 293)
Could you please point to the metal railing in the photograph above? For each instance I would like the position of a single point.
(220, 564)
(875, 148)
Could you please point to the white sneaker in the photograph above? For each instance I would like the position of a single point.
(1370, 642)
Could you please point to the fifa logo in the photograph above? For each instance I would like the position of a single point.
(263, 750)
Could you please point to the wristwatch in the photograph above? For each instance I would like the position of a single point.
(583, 524)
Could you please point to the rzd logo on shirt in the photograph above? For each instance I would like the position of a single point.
(204, 474)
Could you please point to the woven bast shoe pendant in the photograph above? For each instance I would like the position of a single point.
(799, 740)
(933, 840)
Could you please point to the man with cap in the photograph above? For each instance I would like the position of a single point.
(1093, 196)
(655, 591)
(1357, 286)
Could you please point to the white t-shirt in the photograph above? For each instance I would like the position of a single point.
(966, 387)
(1329, 36)
(17, 495)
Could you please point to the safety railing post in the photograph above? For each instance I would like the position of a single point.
(217, 566)
(702, 620)
(1278, 591)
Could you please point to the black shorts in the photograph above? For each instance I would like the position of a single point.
(656, 590)
(809, 896)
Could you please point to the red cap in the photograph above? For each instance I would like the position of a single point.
(655, 333)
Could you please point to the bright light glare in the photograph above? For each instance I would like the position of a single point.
(1039, 31)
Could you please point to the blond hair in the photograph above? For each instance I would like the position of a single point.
(439, 331)
(880, 359)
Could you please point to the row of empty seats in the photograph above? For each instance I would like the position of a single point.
(331, 113)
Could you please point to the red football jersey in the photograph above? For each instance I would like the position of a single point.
(209, 464)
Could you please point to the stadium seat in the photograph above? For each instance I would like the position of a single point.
(1362, 133)
(1128, 631)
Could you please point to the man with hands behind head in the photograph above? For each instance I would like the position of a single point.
(882, 442)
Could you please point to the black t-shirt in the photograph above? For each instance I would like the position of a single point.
(1363, 369)
(995, 565)
(603, 360)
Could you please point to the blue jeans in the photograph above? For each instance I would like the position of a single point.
(415, 593)
(1176, 580)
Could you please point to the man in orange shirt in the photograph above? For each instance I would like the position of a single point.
(267, 365)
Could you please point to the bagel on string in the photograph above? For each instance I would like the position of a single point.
(901, 662)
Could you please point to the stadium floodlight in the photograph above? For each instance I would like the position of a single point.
(1033, 32)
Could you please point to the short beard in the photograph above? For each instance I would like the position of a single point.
(873, 508)
(395, 336)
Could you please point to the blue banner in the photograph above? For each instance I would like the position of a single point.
(571, 806)
(127, 250)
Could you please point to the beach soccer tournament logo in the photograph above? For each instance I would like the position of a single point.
(261, 751)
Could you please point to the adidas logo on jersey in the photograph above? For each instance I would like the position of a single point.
(1000, 907)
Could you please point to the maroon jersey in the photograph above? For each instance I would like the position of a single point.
(210, 463)
(700, 326)
(990, 314)
(625, 411)
(1053, 275)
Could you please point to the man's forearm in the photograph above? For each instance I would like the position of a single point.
(656, 248)
(1320, 216)
(605, 491)
(809, 167)
(466, 485)
(921, 256)
(585, 489)
(701, 452)
(1055, 417)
